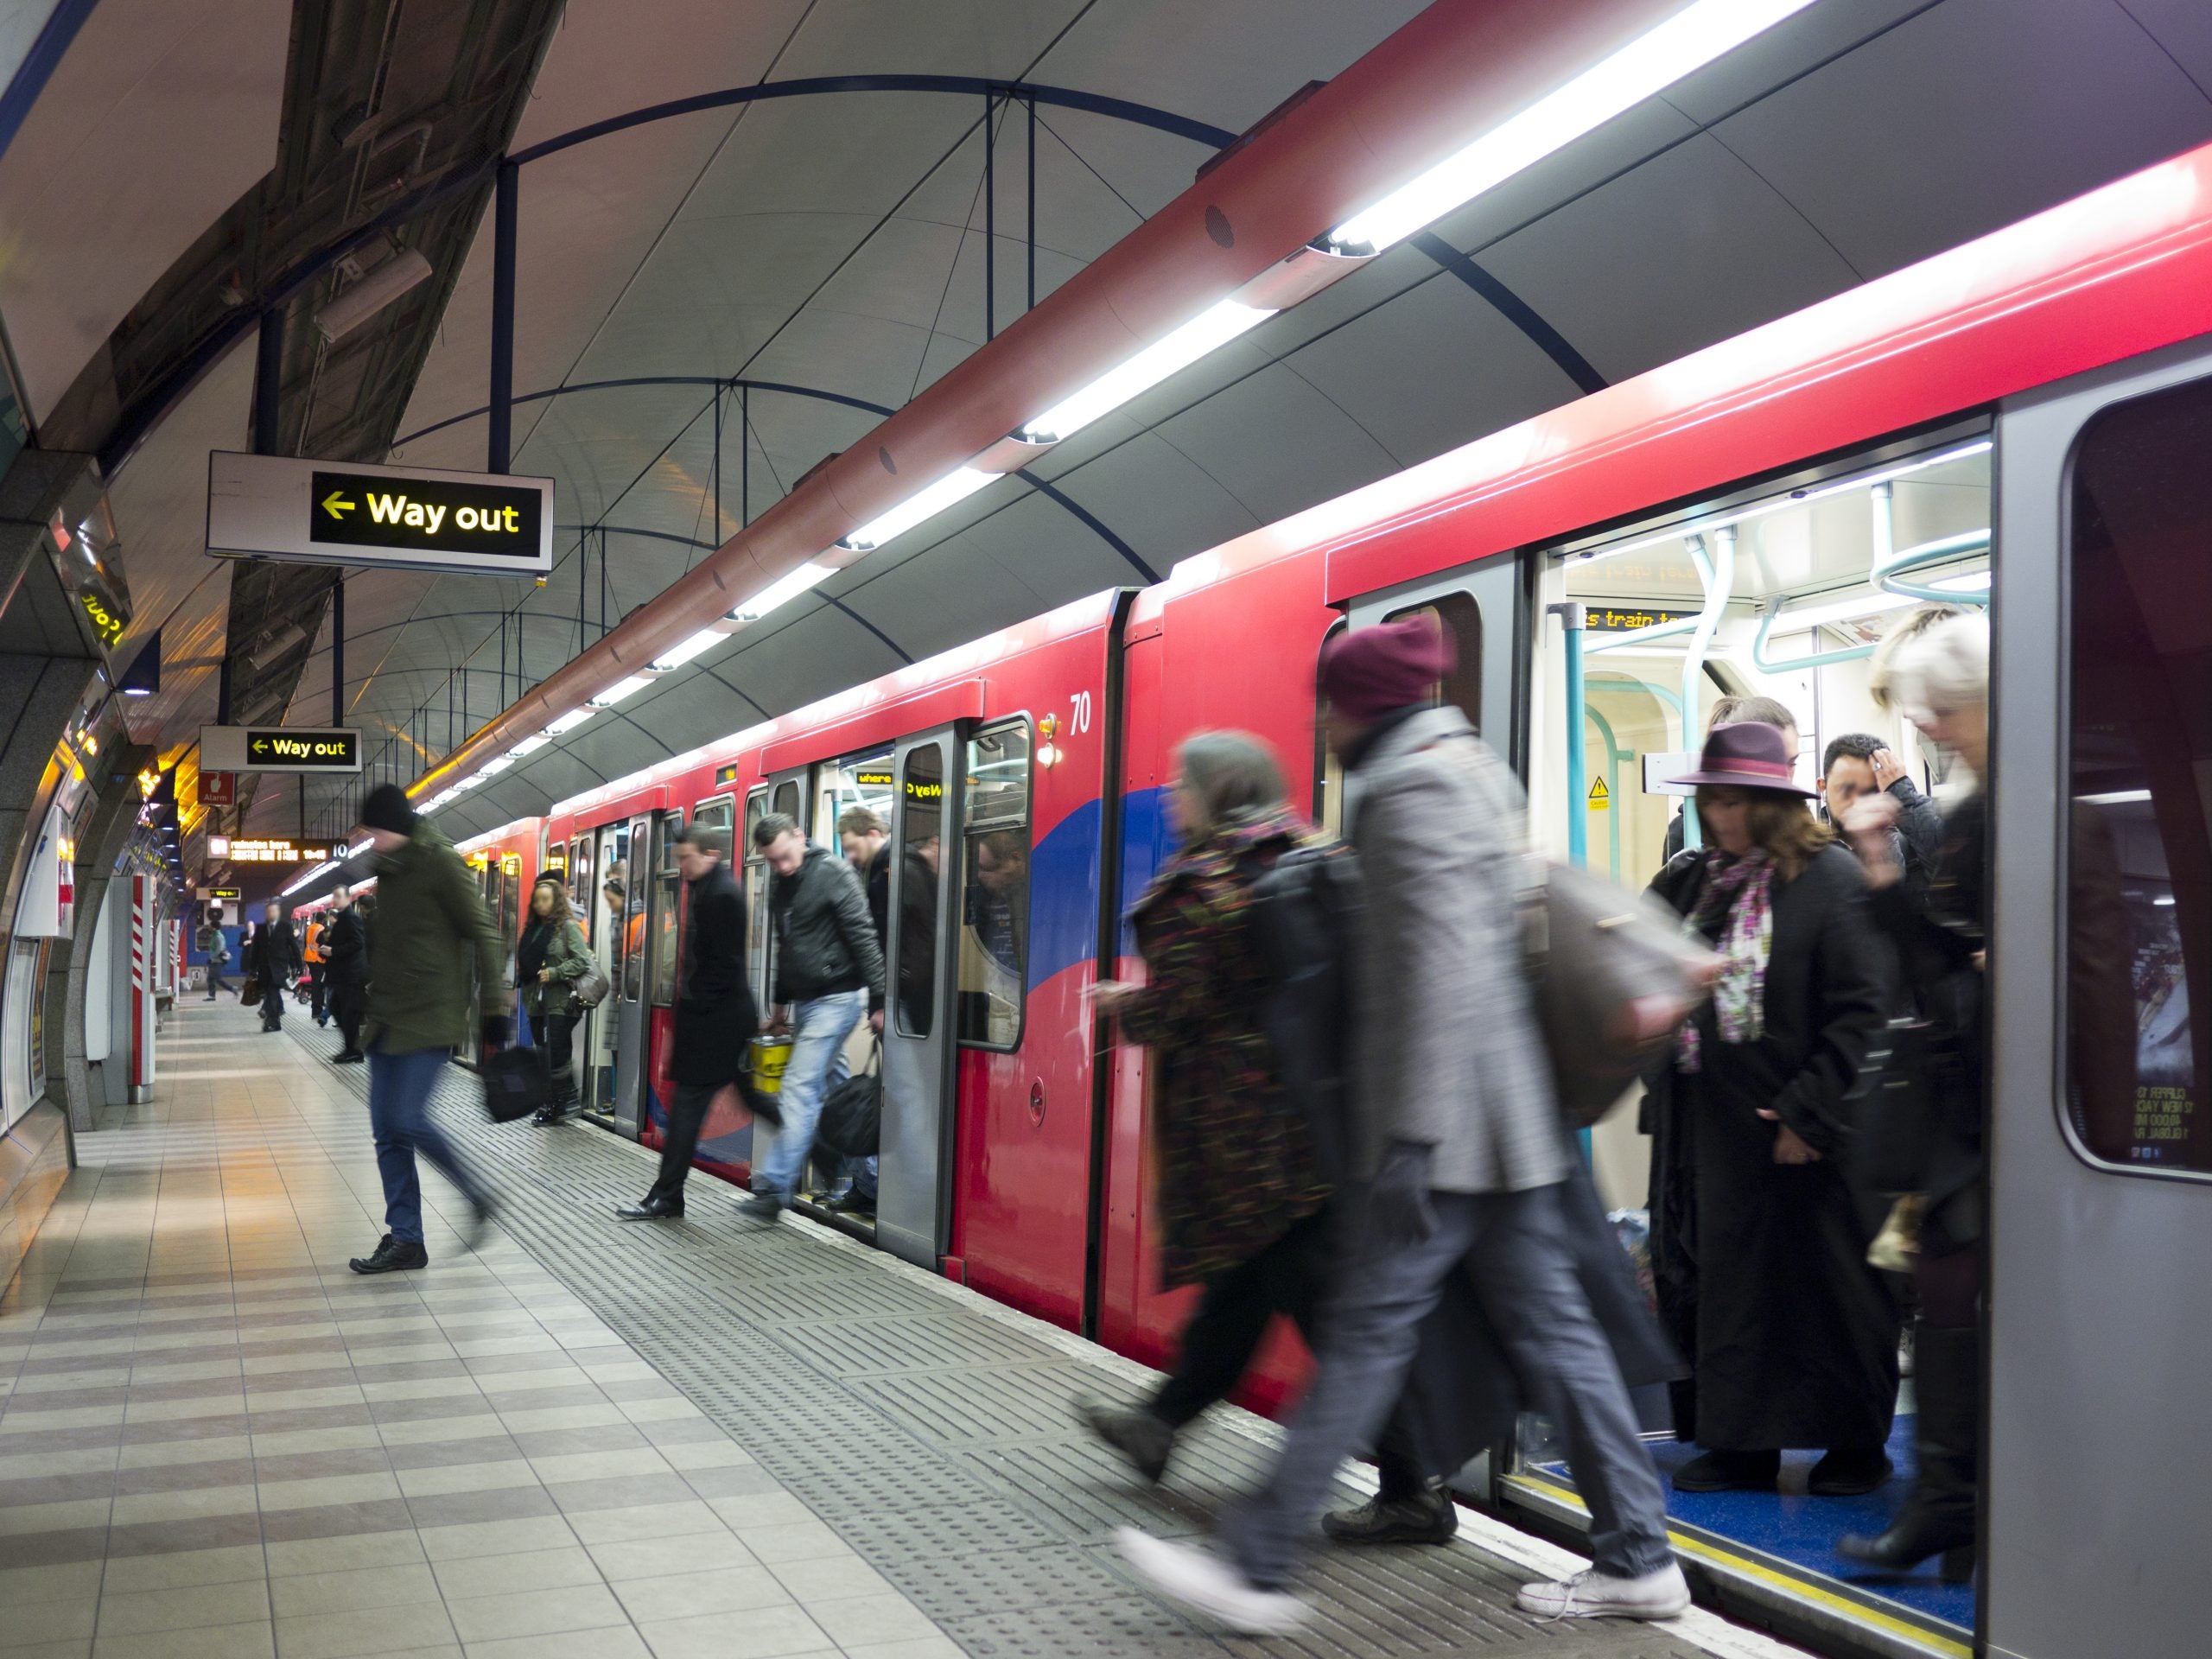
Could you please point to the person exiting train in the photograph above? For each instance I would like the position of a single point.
(345, 968)
(274, 960)
(715, 1016)
(1858, 764)
(1727, 711)
(318, 988)
(1242, 1201)
(1792, 1334)
(1462, 1152)
(549, 958)
(431, 932)
(829, 972)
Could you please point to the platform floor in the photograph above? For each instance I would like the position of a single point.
(588, 1439)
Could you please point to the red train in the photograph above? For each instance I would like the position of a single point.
(1021, 775)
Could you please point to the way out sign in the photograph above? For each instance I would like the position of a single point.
(415, 518)
(279, 748)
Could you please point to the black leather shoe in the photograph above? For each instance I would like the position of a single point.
(1144, 1439)
(349, 1057)
(391, 1256)
(1730, 1471)
(651, 1209)
(1427, 1517)
(762, 1206)
(851, 1202)
(1849, 1473)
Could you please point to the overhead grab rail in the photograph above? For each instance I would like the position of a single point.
(1718, 573)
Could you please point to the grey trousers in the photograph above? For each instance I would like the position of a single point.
(1514, 1247)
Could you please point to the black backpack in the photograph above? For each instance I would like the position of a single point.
(1304, 918)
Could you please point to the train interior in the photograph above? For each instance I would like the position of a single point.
(1781, 590)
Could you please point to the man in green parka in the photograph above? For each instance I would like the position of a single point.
(431, 933)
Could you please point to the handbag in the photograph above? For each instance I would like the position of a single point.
(852, 1118)
(1612, 979)
(591, 986)
(517, 1082)
(1890, 1109)
(250, 989)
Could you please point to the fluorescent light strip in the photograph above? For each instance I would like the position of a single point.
(2117, 798)
(675, 656)
(1967, 581)
(497, 765)
(316, 873)
(1213, 327)
(530, 745)
(1647, 65)
(1906, 470)
(621, 688)
(955, 486)
(569, 722)
(786, 588)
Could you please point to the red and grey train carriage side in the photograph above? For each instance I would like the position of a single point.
(1019, 1166)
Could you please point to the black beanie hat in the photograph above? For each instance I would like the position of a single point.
(387, 808)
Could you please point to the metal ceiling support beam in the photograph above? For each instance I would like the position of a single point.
(267, 381)
(991, 218)
(505, 202)
(1515, 310)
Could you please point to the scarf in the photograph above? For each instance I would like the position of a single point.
(530, 958)
(1736, 912)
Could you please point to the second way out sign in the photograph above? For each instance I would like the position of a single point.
(314, 512)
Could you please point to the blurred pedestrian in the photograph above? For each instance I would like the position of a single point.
(1793, 1335)
(431, 931)
(345, 967)
(311, 953)
(715, 1017)
(549, 958)
(273, 959)
(1462, 1153)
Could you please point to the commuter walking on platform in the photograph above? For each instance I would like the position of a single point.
(217, 949)
(1462, 1153)
(715, 1016)
(1793, 1334)
(318, 988)
(829, 971)
(548, 960)
(345, 967)
(1243, 1195)
(274, 960)
(431, 932)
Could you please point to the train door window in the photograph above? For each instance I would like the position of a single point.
(921, 849)
(1461, 619)
(580, 888)
(863, 781)
(1328, 771)
(2139, 1086)
(642, 872)
(669, 881)
(995, 928)
(787, 798)
(756, 901)
(609, 905)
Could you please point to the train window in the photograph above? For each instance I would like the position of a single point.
(2139, 857)
(1328, 771)
(787, 798)
(995, 928)
(1462, 619)
(756, 888)
(921, 842)
(580, 893)
(669, 880)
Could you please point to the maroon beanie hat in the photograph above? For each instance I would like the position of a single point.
(1367, 672)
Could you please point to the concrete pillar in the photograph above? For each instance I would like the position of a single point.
(71, 963)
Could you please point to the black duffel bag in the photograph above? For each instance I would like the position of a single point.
(851, 1125)
(1890, 1108)
(517, 1082)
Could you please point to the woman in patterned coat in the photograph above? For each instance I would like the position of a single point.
(1241, 1203)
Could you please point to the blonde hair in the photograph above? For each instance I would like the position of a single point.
(1943, 668)
(1881, 666)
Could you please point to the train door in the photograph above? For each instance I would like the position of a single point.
(914, 1190)
(2098, 1308)
(632, 987)
(787, 794)
(755, 869)
(606, 860)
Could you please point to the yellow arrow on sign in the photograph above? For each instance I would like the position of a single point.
(337, 506)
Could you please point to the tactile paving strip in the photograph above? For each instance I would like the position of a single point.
(940, 1443)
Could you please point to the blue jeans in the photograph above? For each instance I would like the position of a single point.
(399, 1098)
(819, 1027)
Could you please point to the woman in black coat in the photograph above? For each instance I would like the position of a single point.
(1761, 1243)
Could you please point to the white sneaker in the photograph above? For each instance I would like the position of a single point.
(1206, 1584)
(1593, 1594)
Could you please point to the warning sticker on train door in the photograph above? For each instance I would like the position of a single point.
(1600, 797)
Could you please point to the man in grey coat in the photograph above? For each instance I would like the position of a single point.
(1462, 1155)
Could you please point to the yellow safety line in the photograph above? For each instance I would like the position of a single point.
(1797, 1586)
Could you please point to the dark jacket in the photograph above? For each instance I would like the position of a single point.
(567, 957)
(918, 922)
(715, 1014)
(345, 949)
(825, 939)
(432, 946)
(274, 955)
(1236, 1164)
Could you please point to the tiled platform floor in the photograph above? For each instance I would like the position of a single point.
(215, 1441)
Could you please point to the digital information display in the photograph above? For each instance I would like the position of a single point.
(280, 748)
(271, 507)
(232, 849)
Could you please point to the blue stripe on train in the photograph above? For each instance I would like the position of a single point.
(1145, 843)
(1063, 895)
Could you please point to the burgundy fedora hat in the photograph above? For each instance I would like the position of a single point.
(1751, 755)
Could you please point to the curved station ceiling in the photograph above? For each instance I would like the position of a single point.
(746, 236)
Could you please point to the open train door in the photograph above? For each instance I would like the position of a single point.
(914, 1192)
